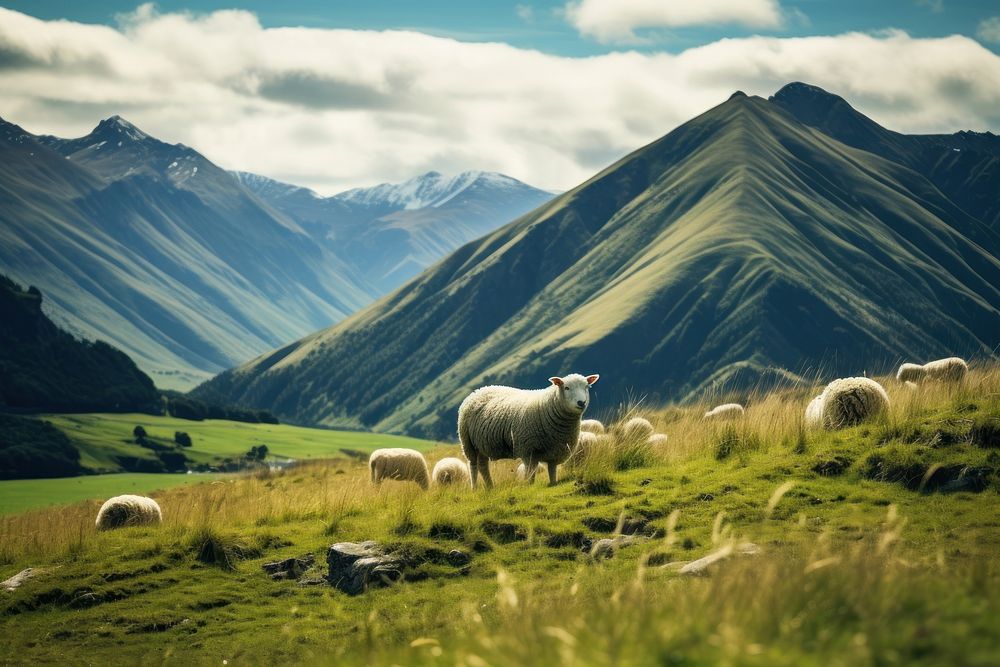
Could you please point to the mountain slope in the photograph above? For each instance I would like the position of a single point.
(157, 250)
(739, 245)
(43, 368)
(391, 232)
(965, 166)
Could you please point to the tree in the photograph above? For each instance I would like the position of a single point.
(182, 439)
(257, 453)
(138, 432)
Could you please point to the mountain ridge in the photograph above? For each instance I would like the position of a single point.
(743, 245)
(192, 269)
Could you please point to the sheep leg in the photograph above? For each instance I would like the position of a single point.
(473, 467)
(552, 473)
(484, 470)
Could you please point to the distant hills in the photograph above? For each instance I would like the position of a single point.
(750, 245)
(190, 270)
(391, 232)
(43, 368)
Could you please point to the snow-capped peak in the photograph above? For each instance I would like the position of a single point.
(427, 190)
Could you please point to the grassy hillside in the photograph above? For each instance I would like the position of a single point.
(102, 437)
(20, 495)
(744, 246)
(42, 367)
(862, 556)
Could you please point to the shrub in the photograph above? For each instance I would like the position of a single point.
(182, 439)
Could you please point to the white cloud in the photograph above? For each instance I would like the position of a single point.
(525, 12)
(333, 109)
(989, 30)
(617, 20)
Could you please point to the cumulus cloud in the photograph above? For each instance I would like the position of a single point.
(332, 109)
(989, 30)
(617, 20)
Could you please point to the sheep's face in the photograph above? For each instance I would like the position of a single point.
(574, 391)
(910, 373)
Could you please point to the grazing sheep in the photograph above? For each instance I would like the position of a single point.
(451, 470)
(726, 411)
(658, 439)
(128, 510)
(636, 429)
(399, 463)
(952, 369)
(846, 402)
(592, 426)
(536, 426)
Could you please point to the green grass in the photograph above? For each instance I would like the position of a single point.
(19, 495)
(101, 437)
(855, 568)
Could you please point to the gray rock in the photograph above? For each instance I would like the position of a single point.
(606, 548)
(15, 582)
(355, 567)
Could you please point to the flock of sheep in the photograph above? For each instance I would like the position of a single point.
(545, 427)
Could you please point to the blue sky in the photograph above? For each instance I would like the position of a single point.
(542, 25)
(334, 95)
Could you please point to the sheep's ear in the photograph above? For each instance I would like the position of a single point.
(591, 379)
(557, 381)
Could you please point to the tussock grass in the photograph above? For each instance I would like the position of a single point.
(854, 567)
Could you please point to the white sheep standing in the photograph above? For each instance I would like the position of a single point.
(592, 426)
(450, 470)
(952, 369)
(399, 463)
(534, 425)
(658, 439)
(636, 429)
(725, 411)
(128, 510)
(846, 402)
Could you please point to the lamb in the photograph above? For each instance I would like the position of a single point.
(399, 463)
(450, 470)
(536, 426)
(636, 429)
(846, 402)
(952, 369)
(592, 426)
(128, 510)
(725, 412)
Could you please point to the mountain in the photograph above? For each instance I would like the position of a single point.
(391, 232)
(965, 166)
(43, 368)
(155, 249)
(742, 247)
